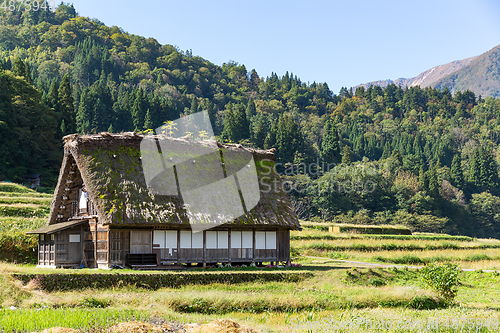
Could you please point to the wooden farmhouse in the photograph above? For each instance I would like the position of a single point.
(104, 214)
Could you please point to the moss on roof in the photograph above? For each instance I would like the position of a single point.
(111, 168)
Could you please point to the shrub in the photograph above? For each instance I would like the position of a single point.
(443, 279)
(16, 246)
(408, 259)
(93, 302)
(74, 281)
(376, 282)
(426, 303)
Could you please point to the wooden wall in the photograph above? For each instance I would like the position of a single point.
(95, 245)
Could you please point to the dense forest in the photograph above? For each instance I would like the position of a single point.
(419, 157)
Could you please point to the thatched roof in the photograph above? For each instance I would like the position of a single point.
(110, 166)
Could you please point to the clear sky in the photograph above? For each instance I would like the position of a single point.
(342, 43)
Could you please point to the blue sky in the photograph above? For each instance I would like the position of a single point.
(342, 43)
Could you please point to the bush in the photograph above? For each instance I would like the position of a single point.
(93, 302)
(16, 246)
(376, 282)
(426, 303)
(443, 279)
(77, 281)
(408, 259)
(369, 229)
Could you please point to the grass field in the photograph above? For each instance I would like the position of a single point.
(336, 296)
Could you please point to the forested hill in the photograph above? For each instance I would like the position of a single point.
(419, 157)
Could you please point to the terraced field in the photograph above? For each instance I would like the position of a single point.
(417, 249)
(21, 209)
(336, 295)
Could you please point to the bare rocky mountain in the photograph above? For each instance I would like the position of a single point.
(480, 74)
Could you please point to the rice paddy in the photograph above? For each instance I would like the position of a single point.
(341, 295)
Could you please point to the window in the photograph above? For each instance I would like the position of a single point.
(246, 239)
(74, 238)
(166, 239)
(235, 239)
(211, 239)
(260, 240)
(217, 239)
(197, 240)
(265, 240)
(185, 239)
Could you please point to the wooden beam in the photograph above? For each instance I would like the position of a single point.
(204, 249)
(229, 246)
(253, 245)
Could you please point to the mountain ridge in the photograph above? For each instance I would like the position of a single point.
(480, 74)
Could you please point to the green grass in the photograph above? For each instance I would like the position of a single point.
(15, 188)
(374, 245)
(24, 210)
(314, 234)
(27, 320)
(21, 210)
(25, 200)
(9, 224)
(335, 291)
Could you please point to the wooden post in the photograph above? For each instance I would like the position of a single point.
(95, 245)
(229, 246)
(82, 242)
(204, 249)
(178, 246)
(253, 245)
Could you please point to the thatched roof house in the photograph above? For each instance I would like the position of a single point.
(106, 211)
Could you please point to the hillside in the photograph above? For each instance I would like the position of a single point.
(421, 157)
(479, 74)
(482, 75)
(21, 209)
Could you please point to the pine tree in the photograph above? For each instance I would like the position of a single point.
(387, 150)
(260, 133)
(474, 172)
(148, 123)
(229, 133)
(18, 68)
(346, 156)
(433, 181)
(359, 145)
(330, 147)
(52, 97)
(66, 105)
(241, 123)
(27, 73)
(288, 139)
(423, 180)
(63, 128)
(270, 141)
(98, 124)
(194, 106)
(83, 117)
(250, 111)
(457, 175)
(138, 110)
(488, 169)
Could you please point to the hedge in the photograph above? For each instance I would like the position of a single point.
(18, 247)
(24, 211)
(76, 281)
(331, 236)
(364, 229)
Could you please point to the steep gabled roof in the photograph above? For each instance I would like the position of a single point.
(110, 167)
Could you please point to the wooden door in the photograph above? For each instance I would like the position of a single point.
(141, 241)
